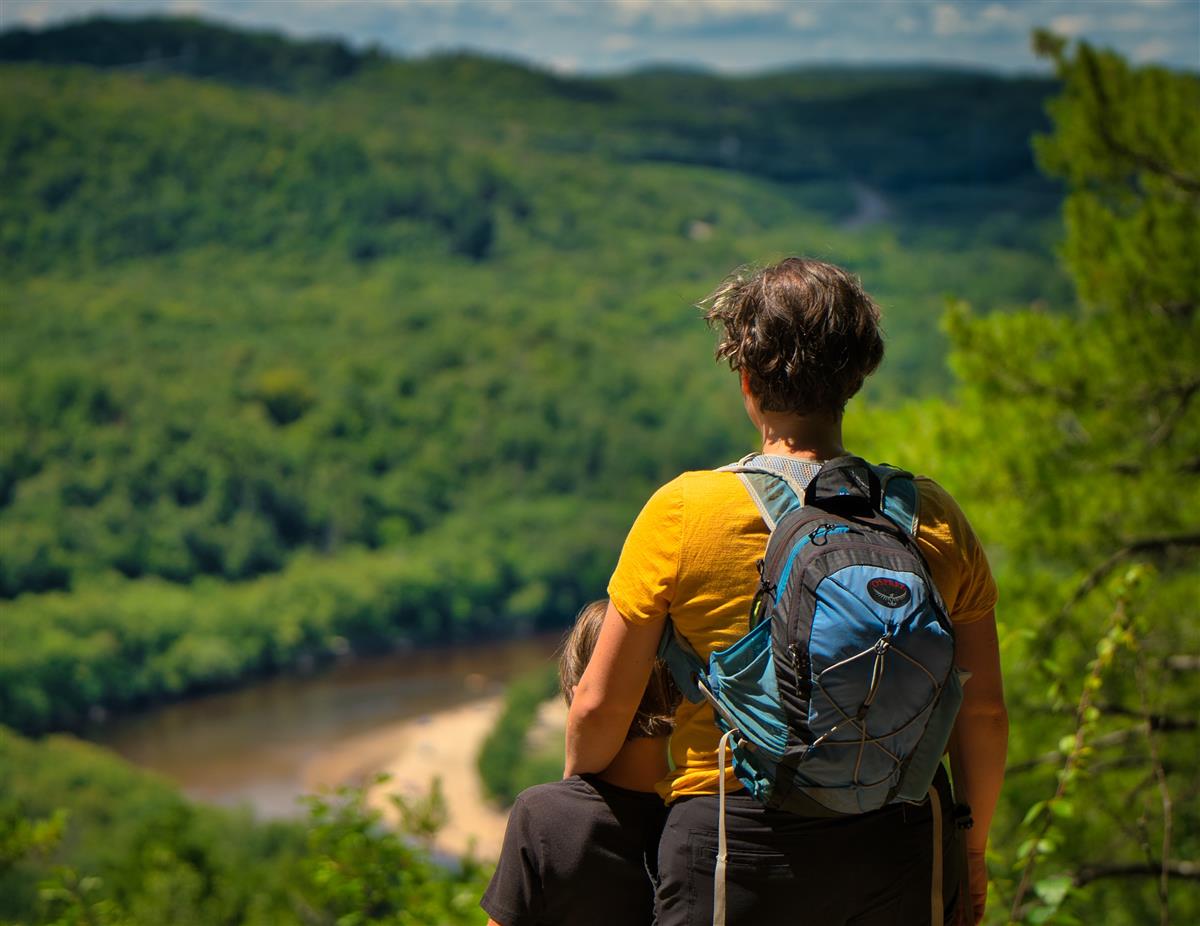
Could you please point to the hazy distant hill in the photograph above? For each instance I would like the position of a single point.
(898, 127)
(187, 46)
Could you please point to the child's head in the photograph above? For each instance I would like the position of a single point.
(655, 715)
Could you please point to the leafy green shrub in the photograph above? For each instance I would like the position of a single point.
(356, 871)
(505, 765)
(86, 839)
(286, 393)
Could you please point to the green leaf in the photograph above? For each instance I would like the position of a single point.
(1052, 890)
(1039, 914)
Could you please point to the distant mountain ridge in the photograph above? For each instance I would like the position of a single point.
(202, 47)
(188, 46)
(934, 143)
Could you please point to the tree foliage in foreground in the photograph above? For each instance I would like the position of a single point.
(1076, 444)
(507, 764)
(85, 840)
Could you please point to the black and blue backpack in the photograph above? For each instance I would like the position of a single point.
(842, 695)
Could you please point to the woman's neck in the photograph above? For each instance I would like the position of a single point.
(639, 765)
(807, 438)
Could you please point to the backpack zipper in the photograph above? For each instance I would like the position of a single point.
(822, 531)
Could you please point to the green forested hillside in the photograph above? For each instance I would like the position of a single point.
(425, 323)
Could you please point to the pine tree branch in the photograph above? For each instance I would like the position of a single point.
(1164, 792)
(1140, 160)
(1180, 308)
(1163, 723)
(1137, 467)
(1115, 738)
(1164, 431)
(1144, 545)
(1115, 631)
(1123, 762)
(1177, 868)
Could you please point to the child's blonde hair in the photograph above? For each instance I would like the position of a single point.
(656, 714)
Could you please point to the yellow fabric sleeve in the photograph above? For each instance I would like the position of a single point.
(643, 585)
(955, 556)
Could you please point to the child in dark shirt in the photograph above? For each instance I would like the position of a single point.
(582, 851)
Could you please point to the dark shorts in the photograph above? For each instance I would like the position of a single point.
(782, 869)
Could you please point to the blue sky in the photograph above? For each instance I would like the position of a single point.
(723, 35)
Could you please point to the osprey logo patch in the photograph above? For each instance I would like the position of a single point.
(889, 592)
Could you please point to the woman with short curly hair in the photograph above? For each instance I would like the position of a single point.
(802, 335)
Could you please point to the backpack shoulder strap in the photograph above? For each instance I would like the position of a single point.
(900, 500)
(774, 492)
(886, 489)
(684, 662)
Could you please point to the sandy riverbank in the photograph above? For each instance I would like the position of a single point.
(444, 744)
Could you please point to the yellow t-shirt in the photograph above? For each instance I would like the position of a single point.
(691, 553)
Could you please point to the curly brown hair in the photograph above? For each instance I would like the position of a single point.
(805, 333)
(656, 714)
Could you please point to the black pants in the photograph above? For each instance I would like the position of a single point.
(783, 870)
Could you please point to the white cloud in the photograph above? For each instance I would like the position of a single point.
(1071, 24)
(1128, 22)
(998, 14)
(959, 19)
(618, 42)
(35, 16)
(1152, 50)
(565, 64)
(948, 20)
(571, 9)
(664, 13)
(804, 17)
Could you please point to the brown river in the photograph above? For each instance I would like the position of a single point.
(414, 713)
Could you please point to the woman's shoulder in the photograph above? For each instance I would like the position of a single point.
(954, 553)
(696, 493)
(939, 513)
(703, 485)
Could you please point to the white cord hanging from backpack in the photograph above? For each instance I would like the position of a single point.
(722, 855)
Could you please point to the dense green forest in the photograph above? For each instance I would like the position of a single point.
(383, 357)
(340, 349)
(508, 763)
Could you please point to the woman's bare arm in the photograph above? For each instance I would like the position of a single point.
(608, 695)
(979, 743)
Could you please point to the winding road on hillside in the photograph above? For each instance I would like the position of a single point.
(870, 208)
